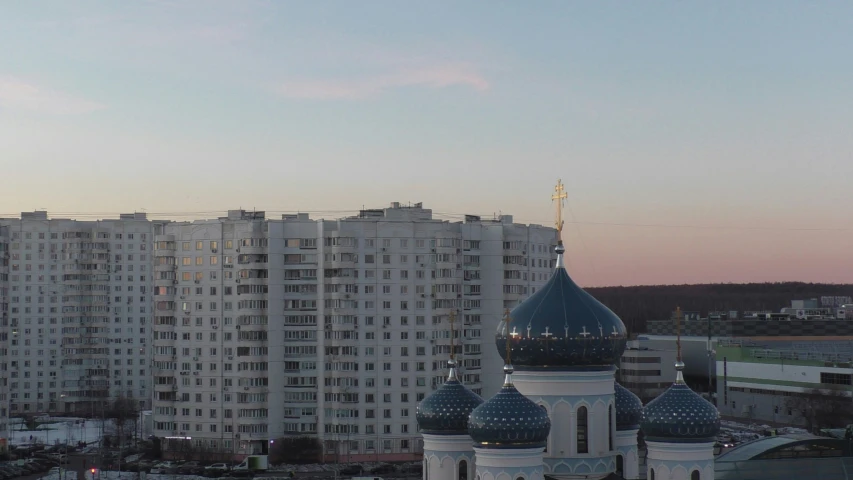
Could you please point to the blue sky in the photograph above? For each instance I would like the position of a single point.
(710, 114)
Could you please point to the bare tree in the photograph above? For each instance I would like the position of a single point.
(822, 408)
(124, 413)
(295, 450)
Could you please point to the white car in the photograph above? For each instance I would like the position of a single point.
(217, 466)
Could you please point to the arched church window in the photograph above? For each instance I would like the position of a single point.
(463, 470)
(620, 465)
(651, 474)
(549, 436)
(519, 478)
(426, 469)
(694, 475)
(610, 426)
(582, 434)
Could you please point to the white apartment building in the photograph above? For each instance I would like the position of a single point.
(76, 313)
(266, 328)
(4, 339)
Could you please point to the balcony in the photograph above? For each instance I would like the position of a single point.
(255, 249)
(166, 387)
(332, 264)
(167, 267)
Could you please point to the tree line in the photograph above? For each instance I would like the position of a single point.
(636, 305)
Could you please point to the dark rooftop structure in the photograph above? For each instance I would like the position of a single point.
(787, 457)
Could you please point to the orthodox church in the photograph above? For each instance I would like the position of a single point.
(560, 413)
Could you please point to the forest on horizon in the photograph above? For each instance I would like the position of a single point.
(636, 305)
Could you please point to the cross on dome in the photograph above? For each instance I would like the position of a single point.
(562, 303)
(560, 197)
(452, 321)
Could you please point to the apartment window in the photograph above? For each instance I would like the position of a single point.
(199, 245)
(835, 378)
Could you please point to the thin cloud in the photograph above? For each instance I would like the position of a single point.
(357, 89)
(18, 94)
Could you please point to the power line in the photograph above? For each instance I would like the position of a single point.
(194, 215)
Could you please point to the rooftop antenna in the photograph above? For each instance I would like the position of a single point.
(679, 365)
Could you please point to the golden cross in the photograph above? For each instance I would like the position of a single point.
(560, 197)
(508, 338)
(452, 334)
(678, 316)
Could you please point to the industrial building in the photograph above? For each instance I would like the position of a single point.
(760, 378)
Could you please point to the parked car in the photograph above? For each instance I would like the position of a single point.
(216, 470)
(191, 468)
(383, 469)
(351, 470)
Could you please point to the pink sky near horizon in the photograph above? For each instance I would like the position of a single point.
(698, 142)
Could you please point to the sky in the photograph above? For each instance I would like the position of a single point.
(698, 141)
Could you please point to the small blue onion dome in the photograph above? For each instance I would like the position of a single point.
(679, 415)
(629, 409)
(509, 420)
(563, 327)
(446, 411)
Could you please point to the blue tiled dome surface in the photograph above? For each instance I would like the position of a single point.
(509, 420)
(680, 415)
(446, 411)
(562, 326)
(629, 409)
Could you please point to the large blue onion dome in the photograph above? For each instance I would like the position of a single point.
(629, 408)
(563, 327)
(509, 420)
(679, 415)
(446, 411)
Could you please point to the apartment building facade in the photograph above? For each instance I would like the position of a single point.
(76, 313)
(4, 338)
(268, 328)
